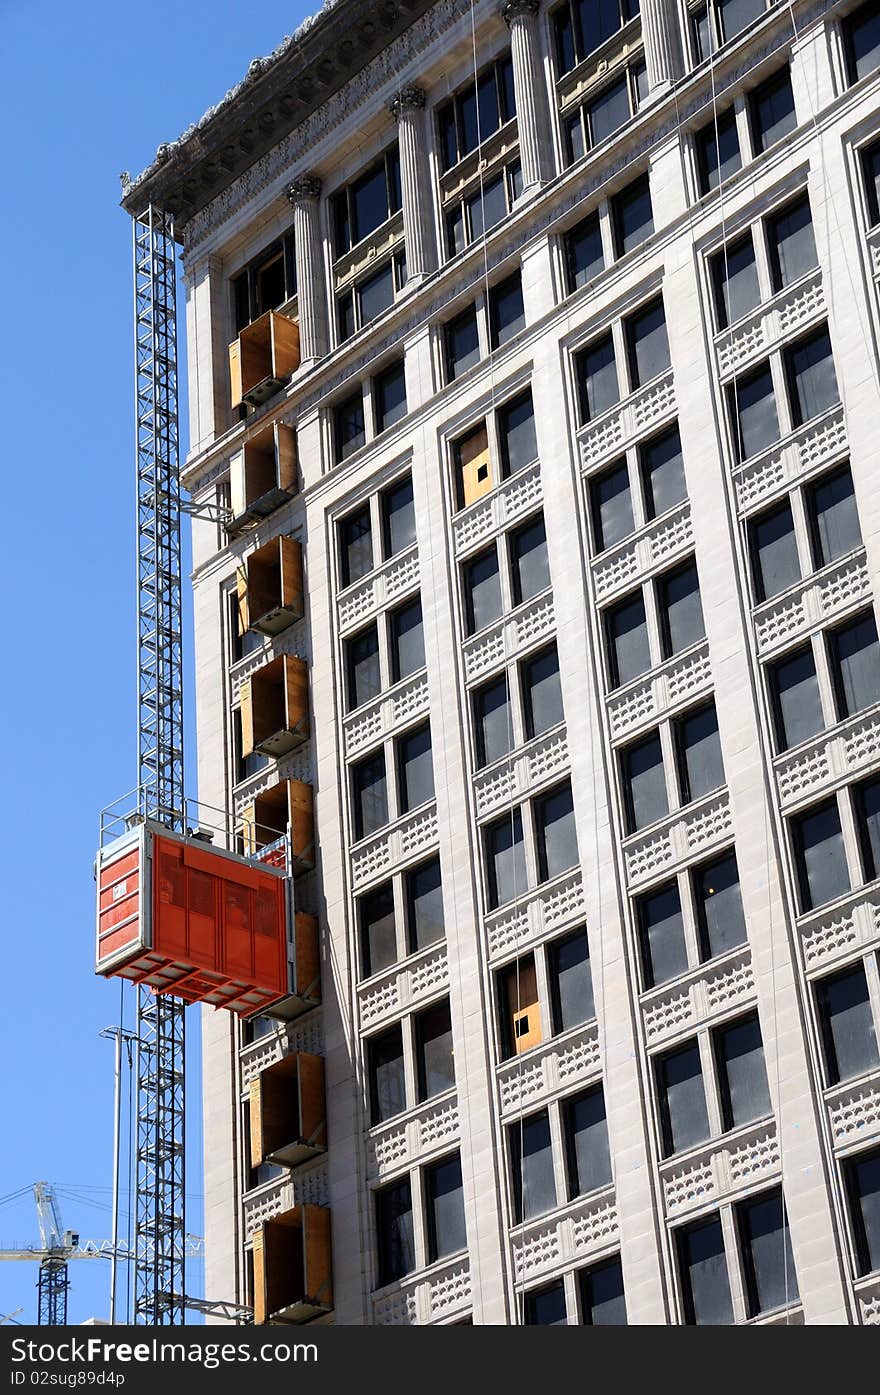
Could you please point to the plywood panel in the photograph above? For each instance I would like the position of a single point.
(260, 1286)
(267, 697)
(312, 1105)
(285, 336)
(317, 1255)
(307, 963)
(237, 488)
(287, 455)
(475, 467)
(263, 581)
(247, 719)
(235, 373)
(241, 590)
(291, 574)
(257, 1142)
(296, 688)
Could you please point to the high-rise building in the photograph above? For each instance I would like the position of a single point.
(534, 424)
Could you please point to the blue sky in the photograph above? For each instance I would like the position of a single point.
(84, 101)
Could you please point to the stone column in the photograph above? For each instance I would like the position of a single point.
(304, 193)
(407, 109)
(663, 44)
(520, 17)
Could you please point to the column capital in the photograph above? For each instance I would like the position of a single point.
(306, 188)
(516, 9)
(407, 99)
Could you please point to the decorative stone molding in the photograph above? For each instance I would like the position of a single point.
(512, 9)
(407, 99)
(304, 189)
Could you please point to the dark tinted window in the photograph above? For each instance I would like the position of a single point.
(661, 933)
(362, 667)
(482, 590)
(434, 1055)
(378, 940)
(847, 1023)
(370, 795)
(356, 546)
(596, 371)
(444, 1200)
(516, 432)
(718, 154)
(611, 506)
(861, 34)
(394, 1228)
(586, 1142)
(531, 1158)
(704, 1280)
(506, 311)
(684, 1118)
(632, 216)
(771, 1281)
(775, 561)
(644, 783)
(771, 111)
(753, 415)
(387, 1077)
(821, 858)
(834, 518)
(797, 707)
(584, 258)
(742, 1074)
(602, 1298)
(718, 903)
(571, 981)
(663, 473)
(863, 1188)
(791, 242)
(812, 381)
(735, 281)
(424, 905)
(390, 396)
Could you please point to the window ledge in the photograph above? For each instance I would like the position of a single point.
(678, 839)
(681, 1005)
(404, 841)
(387, 995)
(523, 772)
(480, 520)
(771, 473)
(761, 330)
(830, 760)
(854, 1111)
(702, 1176)
(609, 433)
(660, 690)
(416, 1133)
(836, 931)
(382, 715)
(810, 604)
(579, 1230)
(550, 1068)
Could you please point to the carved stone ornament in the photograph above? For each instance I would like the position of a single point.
(407, 99)
(305, 188)
(514, 9)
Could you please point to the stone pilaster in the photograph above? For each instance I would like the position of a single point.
(531, 106)
(304, 194)
(408, 110)
(663, 44)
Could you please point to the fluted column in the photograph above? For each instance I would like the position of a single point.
(408, 111)
(521, 19)
(304, 193)
(663, 46)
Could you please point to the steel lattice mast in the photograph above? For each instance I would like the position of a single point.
(159, 1147)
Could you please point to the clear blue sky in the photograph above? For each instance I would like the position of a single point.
(83, 102)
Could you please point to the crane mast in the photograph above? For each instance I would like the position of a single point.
(160, 1110)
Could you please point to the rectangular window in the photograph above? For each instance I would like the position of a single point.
(378, 936)
(661, 935)
(519, 1013)
(541, 693)
(435, 1060)
(529, 567)
(545, 1307)
(476, 111)
(370, 795)
(482, 587)
(632, 217)
(791, 243)
(680, 610)
(349, 431)
(849, 1037)
(662, 470)
(812, 381)
(415, 769)
(387, 1076)
(735, 281)
(531, 1165)
(555, 833)
(601, 1292)
(684, 1118)
(644, 783)
(833, 517)
(717, 149)
(720, 921)
(626, 640)
(584, 258)
(356, 546)
(596, 373)
(608, 111)
(611, 507)
(736, 15)
(492, 721)
(394, 1232)
(461, 340)
(266, 284)
(398, 517)
(775, 562)
(870, 158)
(820, 855)
(507, 314)
(771, 1280)
(505, 859)
(407, 640)
(444, 1200)
(588, 1159)
(771, 111)
(855, 664)
(704, 1278)
(581, 26)
(362, 667)
(368, 202)
(867, 811)
(647, 345)
(862, 1174)
(571, 981)
(698, 746)
(861, 41)
(742, 1075)
(794, 692)
(389, 395)
(423, 894)
(516, 433)
(752, 408)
